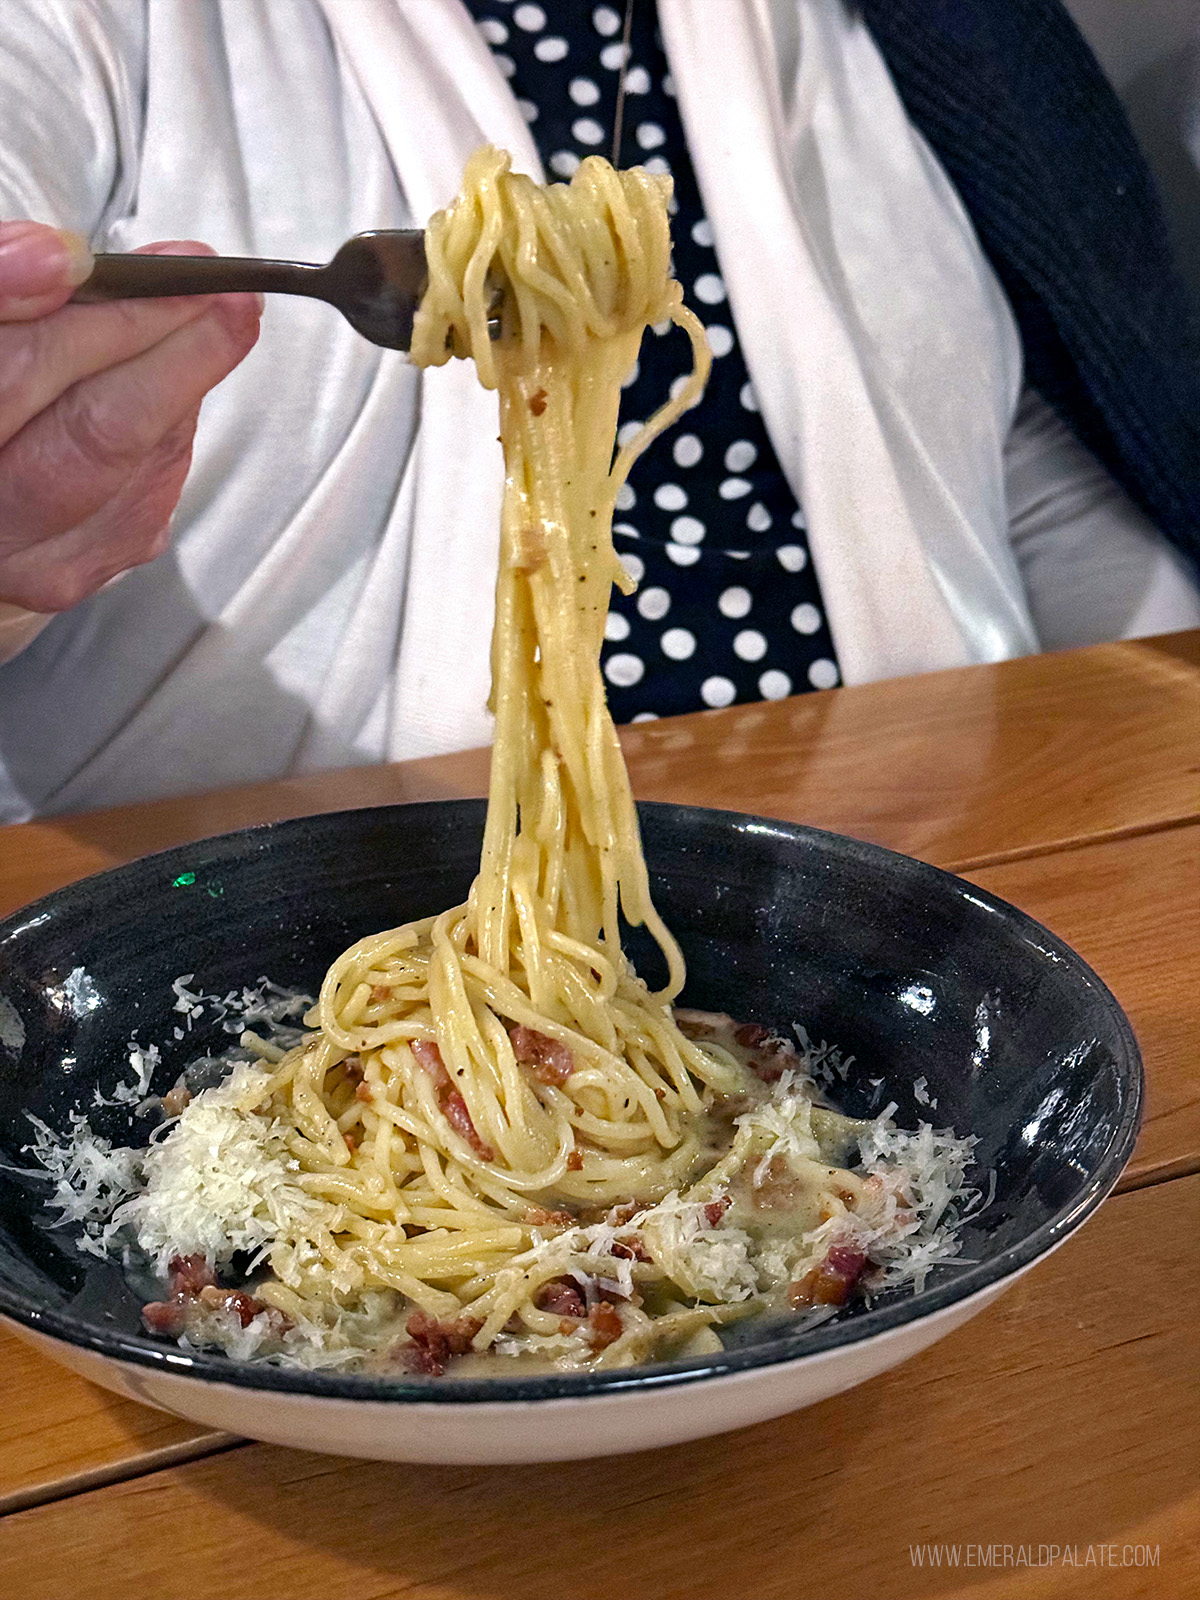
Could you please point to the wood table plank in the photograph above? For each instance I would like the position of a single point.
(961, 768)
(59, 1433)
(1068, 1415)
(1131, 908)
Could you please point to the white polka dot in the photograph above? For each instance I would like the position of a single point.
(506, 63)
(628, 382)
(733, 488)
(679, 384)
(634, 565)
(774, 685)
(583, 91)
(626, 528)
(738, 555)
(645, 716)
(748, 397)
(792, 557)
(551, 49)
(672, 205)
(623, 670)
(717, 692)
(735, 602)
(823, 674)
(687, 450)
(702, 233)
(678, 643)
(494, 32)
(758, 518)
(668, 86)
(657, 167)
(628, 431)
(687, 530)
(649, 136)
(749, 645)
(683, 555)
(529, 18)
(528, 110)
(564, 162)
(798, 519)
(637, 81)
(720, 339)
(710, 288)
(606, 21)
(613, 56)
(658, 329)
(616, 627)
(806, 618)
(740, 455)
(670, 497)
(587, 130)
(653, 604)
(626, 499)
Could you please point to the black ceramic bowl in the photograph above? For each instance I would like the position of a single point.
(913, 972)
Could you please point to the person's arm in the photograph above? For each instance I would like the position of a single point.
(1095, 567)
(98, 404)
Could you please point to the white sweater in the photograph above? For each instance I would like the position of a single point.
(327, 597)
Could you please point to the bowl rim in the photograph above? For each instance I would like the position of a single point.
(787, 1349)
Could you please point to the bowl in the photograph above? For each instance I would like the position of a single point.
(914, 972)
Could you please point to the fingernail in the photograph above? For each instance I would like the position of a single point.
(36, 260)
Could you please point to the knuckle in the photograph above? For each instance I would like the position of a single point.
(102, 435)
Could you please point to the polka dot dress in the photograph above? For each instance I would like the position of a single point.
(728, 608)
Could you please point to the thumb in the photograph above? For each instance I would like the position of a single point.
(40, 267)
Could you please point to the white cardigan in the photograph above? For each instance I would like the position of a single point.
(327, 599)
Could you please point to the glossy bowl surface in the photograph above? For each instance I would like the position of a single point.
(914, 973)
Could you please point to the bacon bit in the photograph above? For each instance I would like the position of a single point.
(434, 1342)
(630, 1248)
(381, 992)
(187, 1275)
(177, 1100)
(548, 1060)
(829, 1283)
(537, 402)
(604, 1325)
(575, 1162)
(244, 1305)
(166, 1316)
(454, 1107)
(364, 1091)
(429, 1058)
(351, 1142)
(539, 1217)
(567, 1329)
(770, 1055)
(533, 550)
(618, 1216)
(561, 1297)
(716, 1209)
(354, 1068)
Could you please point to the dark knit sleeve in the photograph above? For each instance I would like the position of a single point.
(1025, 123)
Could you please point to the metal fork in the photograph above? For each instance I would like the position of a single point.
(375, 280)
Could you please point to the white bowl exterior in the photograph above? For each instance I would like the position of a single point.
(512, 1431)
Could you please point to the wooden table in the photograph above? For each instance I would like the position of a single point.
(1051, 1447)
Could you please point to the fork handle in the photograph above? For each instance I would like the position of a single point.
(136, 277)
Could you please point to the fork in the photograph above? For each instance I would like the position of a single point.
(375, 280)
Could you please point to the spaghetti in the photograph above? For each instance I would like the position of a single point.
(496, 1137)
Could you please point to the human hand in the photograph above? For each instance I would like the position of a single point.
(98, 408)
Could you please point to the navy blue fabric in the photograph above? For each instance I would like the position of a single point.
(1020, 114)
(728, 607)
